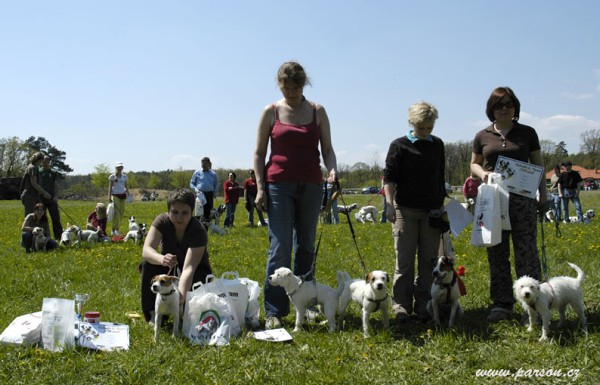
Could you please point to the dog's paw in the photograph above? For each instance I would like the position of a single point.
(543, 339)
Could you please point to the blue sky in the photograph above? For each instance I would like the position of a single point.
(160, 84)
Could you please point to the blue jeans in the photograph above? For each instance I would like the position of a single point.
(261, 219)
(229, 214)
(333, 216)
(293, 216)
(557, 202)
(570, 194)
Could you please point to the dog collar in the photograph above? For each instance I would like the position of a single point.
(377, 301)
(168, 294)
(447, 286)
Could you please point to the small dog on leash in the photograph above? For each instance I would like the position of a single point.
(302, 294)
(543, 297)
(347, 209)
(39, 239)
(79, 236)
(367, 214)
(167, 302)
(215, 214)
(370, 293)
(67, 238)
(445, 292)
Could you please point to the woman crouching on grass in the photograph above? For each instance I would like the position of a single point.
(183, 241)
(37, 218)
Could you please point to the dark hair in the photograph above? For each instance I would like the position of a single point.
(496, 96)
(233, 173)
(294, 72)
(182, 195)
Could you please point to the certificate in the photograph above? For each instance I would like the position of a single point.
(520, 177)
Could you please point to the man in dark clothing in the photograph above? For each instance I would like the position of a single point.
(569, 185)
(49, 180)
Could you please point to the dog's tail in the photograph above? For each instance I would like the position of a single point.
(342, 278)
(580, 273)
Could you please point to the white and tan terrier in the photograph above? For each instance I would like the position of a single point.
(370, 293)
(167, 302)
(445, 291)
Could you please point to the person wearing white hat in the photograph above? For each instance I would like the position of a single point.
(117, 193)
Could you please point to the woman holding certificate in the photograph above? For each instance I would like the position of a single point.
(509, 138)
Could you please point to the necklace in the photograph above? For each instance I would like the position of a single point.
(502, 136)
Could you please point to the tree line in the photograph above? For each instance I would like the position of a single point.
(15, 153)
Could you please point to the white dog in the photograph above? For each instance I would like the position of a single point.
(370, 293)
(302, 294)
(445, 291)
(67, 238)
(587, 217)
(137, 235)
(133, 226)
(167, 302)
(542, 297)
(213, 228)
(367, 214)
(39, 239)
(89, 236)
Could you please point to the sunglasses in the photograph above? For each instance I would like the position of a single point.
(501, 105)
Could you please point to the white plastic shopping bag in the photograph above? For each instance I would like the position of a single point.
(207, 313)
(253, 310)
(110, 212)
(58, 324)
(199, 206)
(504, 199)
(487, 224)
(237, 293)
(23, 330)
(208, 319)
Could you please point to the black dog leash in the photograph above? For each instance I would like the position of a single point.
(360, 258)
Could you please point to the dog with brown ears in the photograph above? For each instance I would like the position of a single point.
(167, 302)
(370, 293)
(446, 290)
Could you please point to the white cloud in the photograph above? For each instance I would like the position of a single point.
(561, 128)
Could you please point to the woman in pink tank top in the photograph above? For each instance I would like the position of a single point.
(289, 184)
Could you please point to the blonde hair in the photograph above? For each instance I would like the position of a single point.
(421, 112)
(101, 210)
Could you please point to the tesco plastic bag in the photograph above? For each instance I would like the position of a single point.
(58, 324)
(209, 320)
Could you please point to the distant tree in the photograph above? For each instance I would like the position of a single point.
(153, 181)
(13, 157)
(180, 178)
(100, 176)
(549, 154)
(561, 150)
(458, 161)
(57, 156)
(590, 146)
(132, 180)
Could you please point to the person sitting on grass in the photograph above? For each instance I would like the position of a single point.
(37, 218)
(97, 219)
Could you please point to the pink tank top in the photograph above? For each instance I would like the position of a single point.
(295, 153)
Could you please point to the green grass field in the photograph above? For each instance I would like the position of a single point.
(411, 353)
